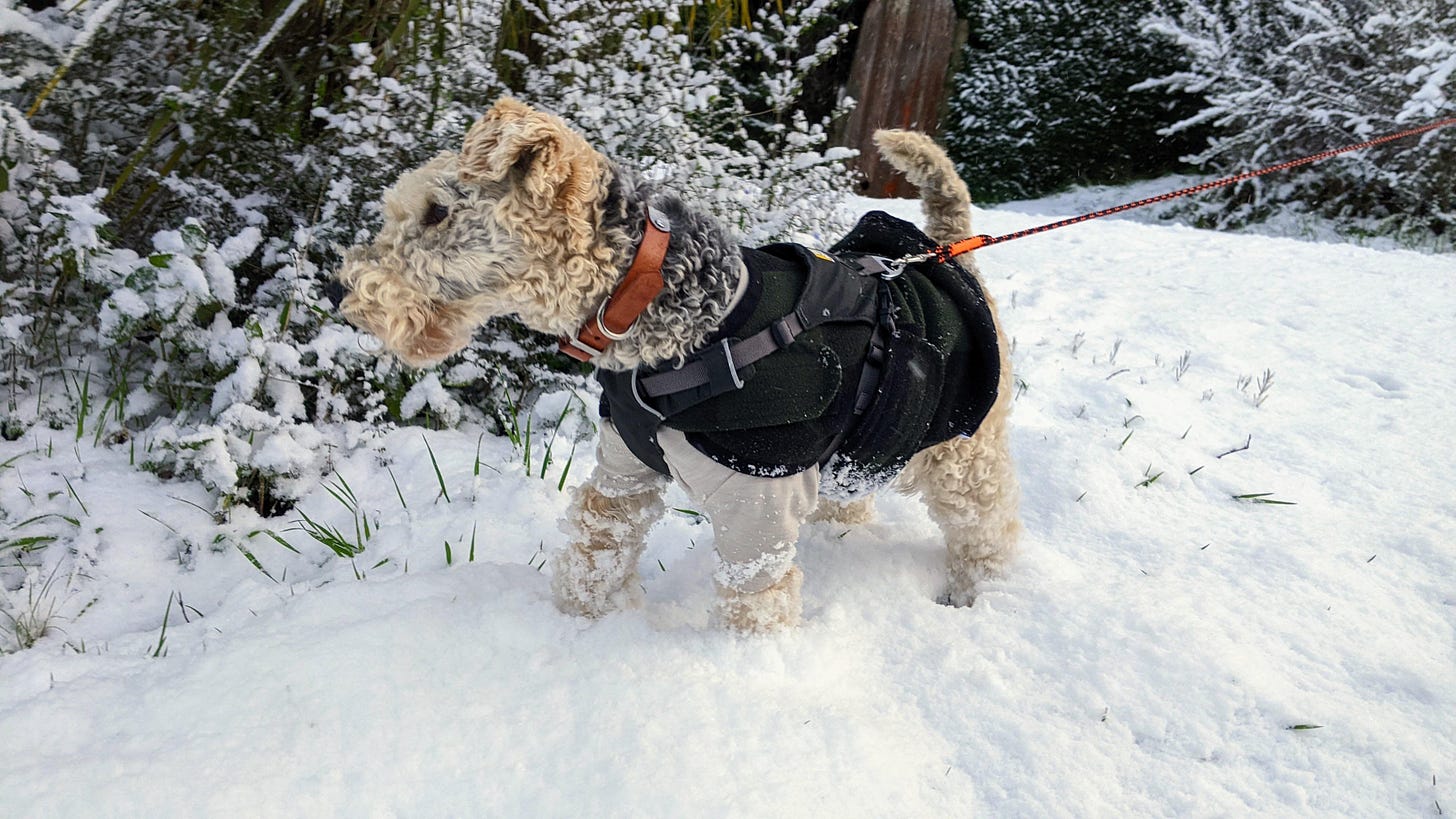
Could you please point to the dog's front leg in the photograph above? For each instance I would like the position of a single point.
(608, 523)
(755, 528)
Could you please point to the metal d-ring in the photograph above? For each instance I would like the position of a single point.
(602, 323)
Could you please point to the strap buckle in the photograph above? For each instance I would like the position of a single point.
(578, 349)
(786, 329)
(722, 371)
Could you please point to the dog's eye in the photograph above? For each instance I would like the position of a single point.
(435, 215)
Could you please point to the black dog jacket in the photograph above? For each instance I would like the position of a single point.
(825, 361)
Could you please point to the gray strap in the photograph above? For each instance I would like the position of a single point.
(740, 353)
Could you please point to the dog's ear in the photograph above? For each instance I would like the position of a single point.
(555, 172)
(497, 141)
(553, 161)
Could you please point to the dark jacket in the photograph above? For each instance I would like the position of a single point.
(932, 371)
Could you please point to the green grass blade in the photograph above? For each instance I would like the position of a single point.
(439, 476)
(402, 504)
(277, 538)
(161, 649)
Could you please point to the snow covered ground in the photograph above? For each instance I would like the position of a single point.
(1162, 647)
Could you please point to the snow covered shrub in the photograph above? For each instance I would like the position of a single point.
(802, 182)
(47, 242)
(176, 179)
(1044, 99)
(721, 127)
(1286, 79)
(220, 351)
(182, 110)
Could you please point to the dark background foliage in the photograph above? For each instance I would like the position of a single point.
(1043, 99)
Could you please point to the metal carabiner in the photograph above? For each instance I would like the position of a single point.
(885, 267)
(897, 266)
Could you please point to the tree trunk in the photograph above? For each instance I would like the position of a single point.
(898, 79)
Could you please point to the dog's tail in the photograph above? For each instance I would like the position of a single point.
(943, 195)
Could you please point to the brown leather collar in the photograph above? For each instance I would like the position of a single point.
(617, 315)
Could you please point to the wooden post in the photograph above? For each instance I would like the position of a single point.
(899, 77)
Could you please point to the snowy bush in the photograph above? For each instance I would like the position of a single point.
(176, 181)
(1286, 79)
(1044, 98)
(723, 132)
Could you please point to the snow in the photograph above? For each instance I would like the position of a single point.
(10, 326)
(1151, 653)
(238, 388)
(429, 393)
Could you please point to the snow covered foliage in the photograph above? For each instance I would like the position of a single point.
(720, 127)
(1044, 97)
(176, 181)
(1295, 77)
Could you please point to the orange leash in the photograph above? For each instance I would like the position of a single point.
(945, 253)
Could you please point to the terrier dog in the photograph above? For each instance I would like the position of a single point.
(528, 220)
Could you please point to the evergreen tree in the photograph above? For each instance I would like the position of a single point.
(1044, 97)
(1290, 78)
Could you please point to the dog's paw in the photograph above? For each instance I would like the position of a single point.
(774, 609)
(594, 603)
(593, 583)
(846, 513)
(957, 598)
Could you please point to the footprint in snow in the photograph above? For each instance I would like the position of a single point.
(1378, 384)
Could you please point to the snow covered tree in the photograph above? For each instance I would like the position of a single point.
(1044, 98)
(1294, 77)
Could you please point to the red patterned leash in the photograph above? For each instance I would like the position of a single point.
(944, 253)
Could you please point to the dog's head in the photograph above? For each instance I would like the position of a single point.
(509, 225)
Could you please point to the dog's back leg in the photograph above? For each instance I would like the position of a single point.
(969, 486)
(608, 523)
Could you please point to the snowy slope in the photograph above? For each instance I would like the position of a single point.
(1154, 652)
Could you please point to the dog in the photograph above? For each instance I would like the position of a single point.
(527, 219)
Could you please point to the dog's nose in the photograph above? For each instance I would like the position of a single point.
(335, 293)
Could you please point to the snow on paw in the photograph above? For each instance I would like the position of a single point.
(774, 609)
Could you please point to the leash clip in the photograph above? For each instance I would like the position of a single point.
(887, 268)
(894, 267)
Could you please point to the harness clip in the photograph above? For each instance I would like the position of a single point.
(887, 268)
(882, 266)
(894, 267)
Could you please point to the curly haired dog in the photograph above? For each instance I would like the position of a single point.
(527, 219)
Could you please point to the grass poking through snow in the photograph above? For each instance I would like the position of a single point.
(1263, 497)
(439, 476)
